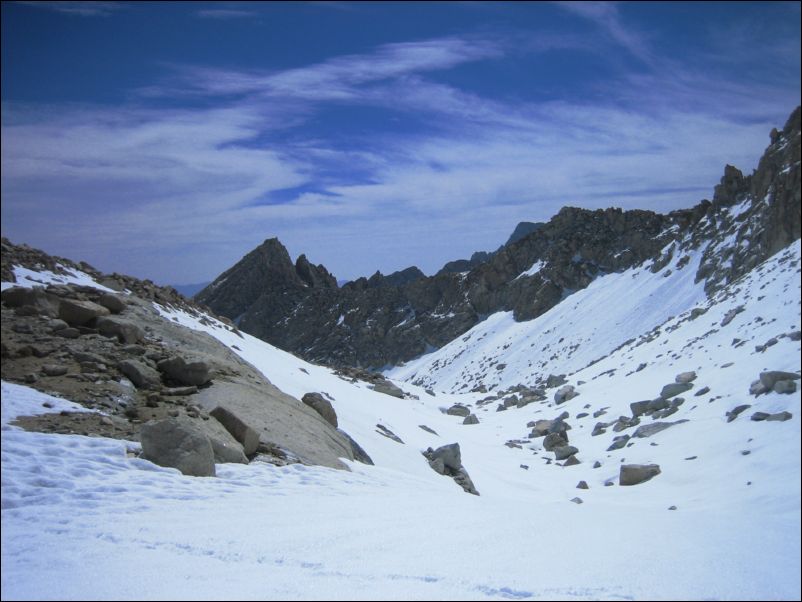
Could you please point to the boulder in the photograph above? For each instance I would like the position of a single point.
(458, 410)
(674, 389)
(778, 417)
(54, 369)
(126, 331)
(139, 373)
(226, 449)
(178, 444)
(471, 419)
(647, 430)
(784, 386)
(564, 451)
(733, 413)
(685, 377)
(639, 408)
(114, 303)
(388, 388)
(183, 372)
(618, 442)
(79, 313)
(554, 440)
(243, 433)
(772, 376)
(541, 428)
(450, 455)
(322, 406)
(565, 393)
(635, 474)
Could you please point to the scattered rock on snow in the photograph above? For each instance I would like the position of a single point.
(733, 413)
(635, 474)
(778, 417)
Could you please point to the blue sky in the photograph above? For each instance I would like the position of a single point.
(166, 140)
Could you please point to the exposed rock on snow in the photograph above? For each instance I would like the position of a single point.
(178, 444)
(447, 460)
(635, 474)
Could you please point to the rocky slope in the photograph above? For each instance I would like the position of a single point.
(101, 340)
(388, 320)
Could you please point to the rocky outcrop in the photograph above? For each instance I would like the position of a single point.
(138, 367)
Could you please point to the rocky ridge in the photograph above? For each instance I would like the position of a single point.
(384, 321)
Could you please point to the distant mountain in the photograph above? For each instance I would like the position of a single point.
(189, 290)
(383, 321)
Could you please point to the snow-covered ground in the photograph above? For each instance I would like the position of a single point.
(84, 519)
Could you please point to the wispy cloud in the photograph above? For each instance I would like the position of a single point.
(225, 13)
(154, 182)
(338, 78)
(84, 9)
(607, 16)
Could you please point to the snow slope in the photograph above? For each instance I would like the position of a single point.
(82, 519)
(590, 322)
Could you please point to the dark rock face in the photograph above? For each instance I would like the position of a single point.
(384, 320)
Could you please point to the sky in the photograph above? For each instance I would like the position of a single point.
(167, 140)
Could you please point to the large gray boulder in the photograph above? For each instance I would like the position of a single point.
(226, 449)
(322, 406)
(388, 388)
(183, 372)
(114, 303)
(554, 440)
(244, 434)
(447, 460)
(178, 444)
(471, 419)
(450, 455)
(125, 331)
(565, 393)
(458, 410)
(139, 373)
(79, 313)
(674, 389)
(635, 474)
(768, 379)
(565, 451)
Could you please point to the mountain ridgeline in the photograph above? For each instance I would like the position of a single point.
(385, 320)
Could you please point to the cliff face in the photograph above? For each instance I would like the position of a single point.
(390, 319)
